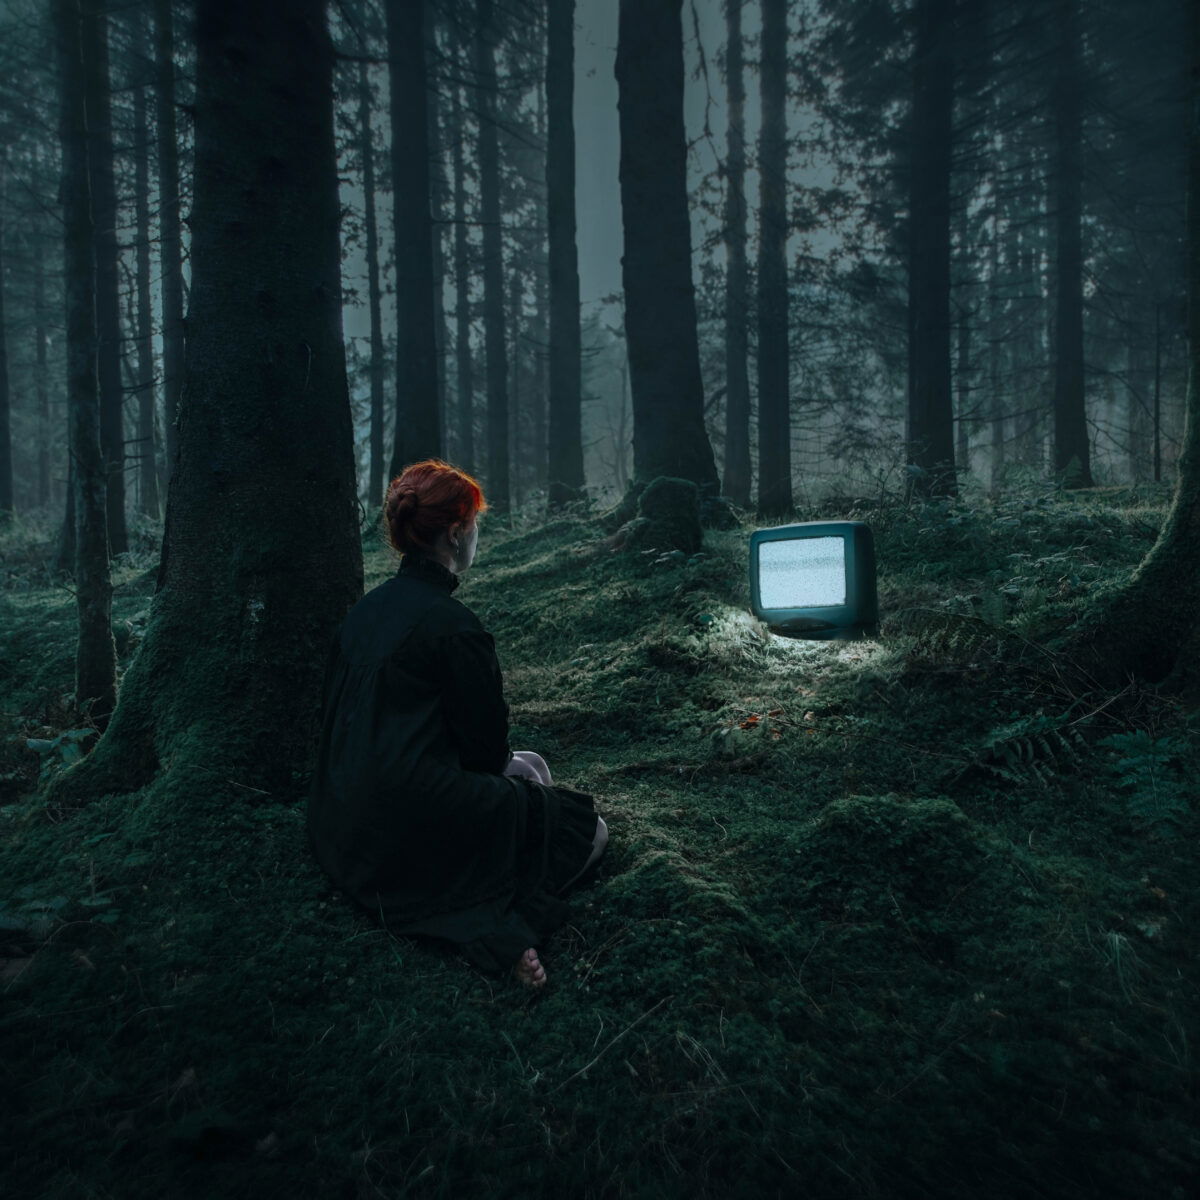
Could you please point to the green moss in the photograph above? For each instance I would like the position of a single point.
(858, 933)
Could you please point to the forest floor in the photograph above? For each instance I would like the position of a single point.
(906, 917)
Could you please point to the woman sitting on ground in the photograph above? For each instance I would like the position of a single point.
(419, 810)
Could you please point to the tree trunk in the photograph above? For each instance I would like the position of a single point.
(736, 484)
(225, 687)
(170, 245)
(108, 286)
(6, 462)
(963, 389)
(437, 206)
(375, 482)
(565, 445)
(1157, 415)
(774, 388)
(147, 450)
(418, 432)
(95, 659)
(64, 549)
(930, 403)
(464, 367)
(669, 437)
(540, 337)
(1072, 455)
(516, 289)
(40, 333)
(541, 381)
(493, 263)
(1137, 376)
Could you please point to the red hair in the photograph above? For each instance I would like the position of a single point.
(425, 500)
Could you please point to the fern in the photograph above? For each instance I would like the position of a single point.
(948, 636)
(1153, 774)
(1028, 752)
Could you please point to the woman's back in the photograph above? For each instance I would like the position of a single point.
(408, 791)
(418, 809)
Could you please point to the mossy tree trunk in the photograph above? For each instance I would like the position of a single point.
(418, 431)
(261, 555)
(669, 436)
(1151, 628)
(565, 449)
(95, 657)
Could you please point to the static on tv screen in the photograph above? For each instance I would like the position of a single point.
(802, 573)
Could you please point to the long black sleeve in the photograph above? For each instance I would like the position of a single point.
(473, 700)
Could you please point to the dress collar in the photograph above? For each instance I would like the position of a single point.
(421, 566)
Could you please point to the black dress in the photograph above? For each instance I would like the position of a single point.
(409, 812)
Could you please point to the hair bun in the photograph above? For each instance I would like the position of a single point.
(425, 500)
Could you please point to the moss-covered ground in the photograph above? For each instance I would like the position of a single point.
(914, 916)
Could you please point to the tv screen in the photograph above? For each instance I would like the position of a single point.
(814, 579)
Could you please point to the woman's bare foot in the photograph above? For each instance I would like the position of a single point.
(529, 969)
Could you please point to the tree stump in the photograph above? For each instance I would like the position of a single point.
(668, 518)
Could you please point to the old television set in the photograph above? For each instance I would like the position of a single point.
(815, 579)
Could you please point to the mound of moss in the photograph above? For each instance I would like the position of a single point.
(902, 917)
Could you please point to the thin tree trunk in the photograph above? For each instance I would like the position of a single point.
(669, 436)
(95, 659)
(493, 263)
(170, 245)
(44, 491)
(375, 482)
(147, 450)
(1158, 392)
(539, 339)
(247, 602)
(541, 406)
(437, 205)
(963, 389)
(1072, 454)
(64, 551)
(418, 431)
(516, 332)
(737, 379)
(464, 373)
(565, 445)
(930, 403)
(108, 285)
(6, 462)
(774, 388)
(1137, 374)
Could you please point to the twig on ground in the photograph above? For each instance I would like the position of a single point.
(612, 1042)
